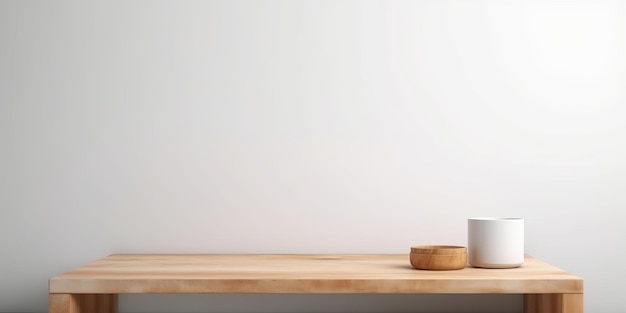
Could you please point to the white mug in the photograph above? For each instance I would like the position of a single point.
(495, 242)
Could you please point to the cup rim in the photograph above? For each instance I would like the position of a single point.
(495, 218)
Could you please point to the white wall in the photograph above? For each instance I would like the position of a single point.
(309, 126)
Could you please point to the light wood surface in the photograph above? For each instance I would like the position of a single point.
(303, 274)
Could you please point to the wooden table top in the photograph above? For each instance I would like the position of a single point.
(302, 273)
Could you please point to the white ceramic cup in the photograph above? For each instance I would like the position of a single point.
(495, 242)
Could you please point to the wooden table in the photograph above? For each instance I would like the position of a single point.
(93, 288)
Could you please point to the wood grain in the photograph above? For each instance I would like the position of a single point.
(59, 303)
(82, 303)
(573, 303)
(553, 303)
(302, 274)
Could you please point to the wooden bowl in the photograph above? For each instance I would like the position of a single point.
(438, 258)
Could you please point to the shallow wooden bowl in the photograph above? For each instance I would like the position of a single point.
(438, 258)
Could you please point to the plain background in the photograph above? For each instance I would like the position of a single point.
(309, 127)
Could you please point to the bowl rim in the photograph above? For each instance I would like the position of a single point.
(438, 249)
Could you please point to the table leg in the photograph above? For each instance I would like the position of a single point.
(553, 303)
(82, 303)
